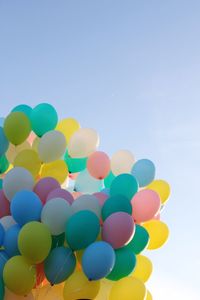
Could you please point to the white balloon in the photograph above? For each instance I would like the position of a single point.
(7, 222)
(16, 180)
(52, 146)
(11, 296)
(122, 162)
(87, 202)
(87, 184)
(55, 214)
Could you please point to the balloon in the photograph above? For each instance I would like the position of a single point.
(51, 146)
(17, 127)
(139, 241)
(87, 202)
(4, 164)
(77, 286)
(43, 118)
(34, 242)
(2, 121)
(116, 204)
(19, 276)
(11, 241)
(25, 207)
(146, 204)
(56, 169)
(24, 109)
(58, 240)
(2, 233)
(3, 259)
(101, 197)
(128, 289)
(82, 229)
(85, 183)
(7, 222)
(122, 162)
(118, 229)
(68, 127)
(4, 143)
(98, 165)
(124, 264)
(143, 268)
(109, 179)
(44, 186)
(59, 265)
(2, 290)
(40, 276)
(98, 260)
(124, 184)
(11, 296)
(75, 164)
(29, 160)
(83, 143)
(1, 183)
(16, 180)
(13, 151)
(4, 204)
(162, 188)
(36, 143)
(158, 233)
(144, 171)
(105, 288)
(61, 193)
(149, 296)
(55, 214)
(49, 292)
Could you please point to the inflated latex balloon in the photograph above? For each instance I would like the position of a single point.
(36, 143)
(19, 276)
(7, 222)
(68, 127)
(149, 296)
(143, 268)
(4, 143)
(51, 146)
(48, 292)
(13, 151)
(16, 180)
(109, 179)
(34, 242)
(116, 204)
(55, 214)
(11, 240)
(83, 143)
(26, 109)
(11, 296)
(101, 198)
(122, 162)
(139, 241)
(128, 289)
(59, 265)
(4, 164)
(144, 171)
(2, 233)
(85, 183)
(78, 286)
(17, 127)
(4, 204)
(44, 186)
(162, 188)
(43, 118)
(105, 288)
(40, 276)
(158, 233)
(29, 160)
(87, 202)
(124, 184)
(98, 165)
(2, 289)
(56, 169)
(1, 121)
(61, 193)
(75, 164)
(3, 259)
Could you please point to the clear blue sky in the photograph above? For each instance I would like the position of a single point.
(131, 70)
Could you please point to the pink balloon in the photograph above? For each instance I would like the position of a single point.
(4, 205)
(118, 229)
(60, 193)
(98, 165)
(44, 186)
(101, 197)
(146, 204)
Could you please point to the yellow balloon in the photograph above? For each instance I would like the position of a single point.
(68, 127)
(19, 276)
(11, 296)
(128, 288)
(162, 188)
(56, 169)
(79, 287)
(105, 289)
(14, 150)
(29, 160)
(49, 292)
(143, 268)
(149, 296)
(158, 233)
(36, 143)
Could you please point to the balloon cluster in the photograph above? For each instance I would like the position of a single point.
(73, 222)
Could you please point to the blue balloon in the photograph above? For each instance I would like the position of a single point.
(2, 233)
(98, 260)
(144, 171)
(11, 241)
(3, 260)
(25, 207)
(59, 265)
(24, 109)
(4, 143)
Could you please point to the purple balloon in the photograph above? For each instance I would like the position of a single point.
(118, 229)
(60, 193)
(44, 186)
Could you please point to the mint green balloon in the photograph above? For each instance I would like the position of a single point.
(2, 289)
(139, 241)
(109, 179)
(26, 109)
(75, 164)
(82, 229)
(4, 164)
(43, 118)
(124, 184)
(116, 204)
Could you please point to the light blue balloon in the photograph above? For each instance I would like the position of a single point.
(144, 171)
(2, 121)
(87, 184)
(11, 241)
(4, 143)
(26, 109)
(3, 260)
(2, 233)
(25, 207)
(98, 260)
(59, 265)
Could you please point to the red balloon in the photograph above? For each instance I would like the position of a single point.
(40, 275)
(98, 165)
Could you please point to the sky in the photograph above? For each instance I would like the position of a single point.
(129, 69)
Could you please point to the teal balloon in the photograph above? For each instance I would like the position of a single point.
(2, 121)
(1, 183)
(2, 289)
(75, 165)
(43, 118)
(26, 109)
(4, 143)
(82, 229)
(87, 184)
(144, 171)
(58, 240)
(3, 259)
(139, 241)
(109, 179)
(124, 184)
(4, 164)
(115, 204)
(125, 262)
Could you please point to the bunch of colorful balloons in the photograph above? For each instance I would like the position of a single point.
(73, 221)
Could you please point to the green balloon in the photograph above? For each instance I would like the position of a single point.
(109, 179)
(24, 109)
(2, 289)
(17, 127)
(124, 184)
(75, 164)
(82, 229)
(43, 118)
(4, 164)
(125, 263)
(116, 204)
(139, 241)
(58, 240)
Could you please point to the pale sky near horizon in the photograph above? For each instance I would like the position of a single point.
(131, 70)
